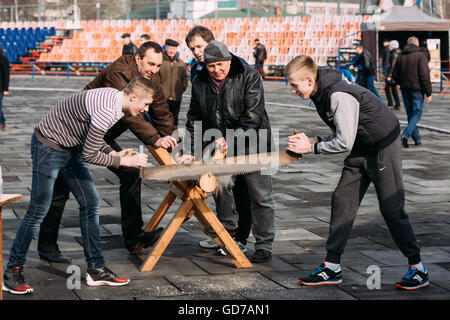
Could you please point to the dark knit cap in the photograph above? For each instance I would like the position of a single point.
(126, 35)
(170, 42)
(216, 51)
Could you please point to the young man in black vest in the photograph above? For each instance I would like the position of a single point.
(363, 125)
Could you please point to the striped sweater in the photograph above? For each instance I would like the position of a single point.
(81, 121)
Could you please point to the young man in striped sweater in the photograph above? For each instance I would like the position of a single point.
(67, 138)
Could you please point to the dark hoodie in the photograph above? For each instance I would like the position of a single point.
(359, 120)
(411, 71)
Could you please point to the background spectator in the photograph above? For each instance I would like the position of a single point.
(129, 48)
(4, 84)
(412, 73)
(174, 77)
(260, 54)
(391, 86)
(366, 75)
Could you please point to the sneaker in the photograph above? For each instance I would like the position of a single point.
(208, 244)
(322, 275)
(261, 256)
(104, 277)
(414, 279)
(241, 246)
(14, 281)
(209, 231)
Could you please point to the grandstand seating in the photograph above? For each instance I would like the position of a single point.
(284, 37)
(16, 41)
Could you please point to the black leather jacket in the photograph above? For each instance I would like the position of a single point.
(239, 104)
(393, 60)
(366, 61)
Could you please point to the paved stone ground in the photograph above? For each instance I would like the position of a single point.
(302, 192)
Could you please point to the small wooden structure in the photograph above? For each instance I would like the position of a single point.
(4, 200)
(193, 198)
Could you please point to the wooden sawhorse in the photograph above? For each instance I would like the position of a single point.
(193, 198)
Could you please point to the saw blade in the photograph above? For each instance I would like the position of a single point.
(220, 167)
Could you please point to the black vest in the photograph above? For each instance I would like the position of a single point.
(378, 126)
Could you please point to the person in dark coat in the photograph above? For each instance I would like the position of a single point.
(412, 73)
(4, 84)
(260, 54)
(228, 97)
(197, 39)
(385, 57)
(366, 75)
(174, 78)
(391, 87)
(129, 48)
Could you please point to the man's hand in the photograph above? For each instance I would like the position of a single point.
(185, 158)
(299, 143)
(428, 99)
(221, 144)
(123, 153)
(351, 67)
(136, 160)
(166, 142)
(5, 93)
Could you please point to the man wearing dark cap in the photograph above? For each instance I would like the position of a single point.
(129, 48)
(260, 55)
(174, 77)
(228, 98)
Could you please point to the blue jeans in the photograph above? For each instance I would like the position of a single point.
(47, 163)
(2, 118)
(371, 86)
(413, 102)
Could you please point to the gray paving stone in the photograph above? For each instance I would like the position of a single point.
(305, 293)
(229, 283)
(302, 191)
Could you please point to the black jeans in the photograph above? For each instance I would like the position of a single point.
(384, 170)
(242, 201)
(174, 108)
(391, 91)
(130, 204)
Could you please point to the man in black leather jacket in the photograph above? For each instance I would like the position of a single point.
(366, 75)
(391, 86)
(228, 97)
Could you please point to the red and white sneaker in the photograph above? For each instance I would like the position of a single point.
(104, 277)
(14, 281)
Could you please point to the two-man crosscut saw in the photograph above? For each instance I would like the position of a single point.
(220, 167)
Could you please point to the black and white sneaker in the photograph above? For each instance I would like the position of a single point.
(414, 279)
(104, 277)
(322, 275)
(14, 281)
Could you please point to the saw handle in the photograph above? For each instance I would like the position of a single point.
(218, 154)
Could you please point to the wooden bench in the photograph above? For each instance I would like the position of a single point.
(4, 200)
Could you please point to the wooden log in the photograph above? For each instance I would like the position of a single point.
(208, 182)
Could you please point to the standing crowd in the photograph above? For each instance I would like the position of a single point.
(142, 91)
